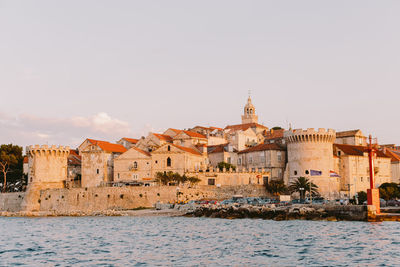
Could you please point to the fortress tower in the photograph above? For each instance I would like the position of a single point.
(47, 166)
(310, 154)
(249, 113)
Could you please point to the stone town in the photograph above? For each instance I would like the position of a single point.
(337, 162)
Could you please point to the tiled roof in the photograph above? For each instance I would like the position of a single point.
(95, 142)
(194, 134)
(26, 159)
(74, 159)
(187, 149)
(244, 127)
(394, 156)
(175, 130)
(131, 140)
(273, 134)
(109, 147)
(356, 150)
(262, 147)
(142, 151)
(347, 133)
(163, 137)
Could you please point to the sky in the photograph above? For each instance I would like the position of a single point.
(70, 70)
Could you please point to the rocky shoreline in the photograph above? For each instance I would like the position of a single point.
(106, 213)
(294, 212)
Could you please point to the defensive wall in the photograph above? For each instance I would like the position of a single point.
(100, 199)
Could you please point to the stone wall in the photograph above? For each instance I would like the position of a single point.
(125, 198)
(11, 201)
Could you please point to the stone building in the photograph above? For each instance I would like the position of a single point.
(189, 139)
(74, 169)
(222, 153)
(310, 154)
(394, 155)
(353, 137)
(135, 165)
(98, 162)
(215, 135)
(175, 158)
(153, 141)
(47, 166)
(352, 164)
(128, 142)
(270, 157)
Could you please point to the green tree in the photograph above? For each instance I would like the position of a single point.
(362, 197)
(225, 165)
(175, 178)
(276, 187)
(277, 128)
(303, 185)
(11, 162)
(389, 191)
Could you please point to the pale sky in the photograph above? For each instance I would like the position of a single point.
(110, 69)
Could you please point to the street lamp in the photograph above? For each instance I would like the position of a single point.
(301, 192)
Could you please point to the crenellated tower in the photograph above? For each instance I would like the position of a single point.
(47, 166)
(310, 154)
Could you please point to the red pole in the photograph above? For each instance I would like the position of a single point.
(371, 164)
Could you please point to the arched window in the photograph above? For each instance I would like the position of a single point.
(135, 165)
(169, 148)
(168, 162)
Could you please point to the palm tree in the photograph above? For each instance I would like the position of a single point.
(276, 187)
(301, 185)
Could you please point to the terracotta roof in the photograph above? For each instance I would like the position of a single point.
(187, 149)
(262, 147)
(394, 156)
(175, 130)
(142, 151)
(74, 159)
(244, 127)
(26, 160)
(95, 142)
(209, 128)
(163, 137)
(218, 149)
(356, 150)
(131, 140)
(347, 133)
(109, 147)
(194, 134)
(273, 134)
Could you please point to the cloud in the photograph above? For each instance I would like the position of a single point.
(28, 129)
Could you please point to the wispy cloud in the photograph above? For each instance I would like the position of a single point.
(27, 129)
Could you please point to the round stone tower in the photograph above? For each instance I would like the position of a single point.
(310, 154)
(47, 166)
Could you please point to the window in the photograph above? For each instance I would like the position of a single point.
(169, 162)
(169, 148)
(118, 175)
(251, 160)
(361, 179)
(156, 161)
(279, 156)
(239, 161)
(338, 153)
(229, 160)
(135, 165)
(307, 172)
(98, 171)
(295, 172)
(211, 181)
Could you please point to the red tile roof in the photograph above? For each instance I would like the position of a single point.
(394, 156)
(262, 147)
(74, 159)
(131, 140)
(347, 133)
(175, 130)
(187, 149)
(273, 134)
(245, 126)
(194, 134)
(356, 150)
(163, 137)
(26, 160)
(109, 147)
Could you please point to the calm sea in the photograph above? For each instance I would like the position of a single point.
(160, 241)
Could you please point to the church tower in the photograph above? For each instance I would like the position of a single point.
(249, 113)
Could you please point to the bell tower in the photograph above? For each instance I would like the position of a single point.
(249, 112)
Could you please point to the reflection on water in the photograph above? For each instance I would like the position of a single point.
(121, 241)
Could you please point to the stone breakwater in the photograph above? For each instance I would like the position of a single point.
(295, 212)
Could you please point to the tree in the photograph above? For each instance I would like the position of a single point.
(225, 165)
(389, 191)
(276, 187)
(175, 178)
(277, 128)
(302, 185)
(362, 197)
(11, 160)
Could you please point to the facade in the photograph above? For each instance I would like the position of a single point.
(153, 141)
(128, 142)
(394, 155)
(47, 166)
(98, 163)
(270, 157)
(189, 139)
(310, 154)
(353, 137)
(74, 169)
(135, 165)
(222, 153)
(353, 168)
